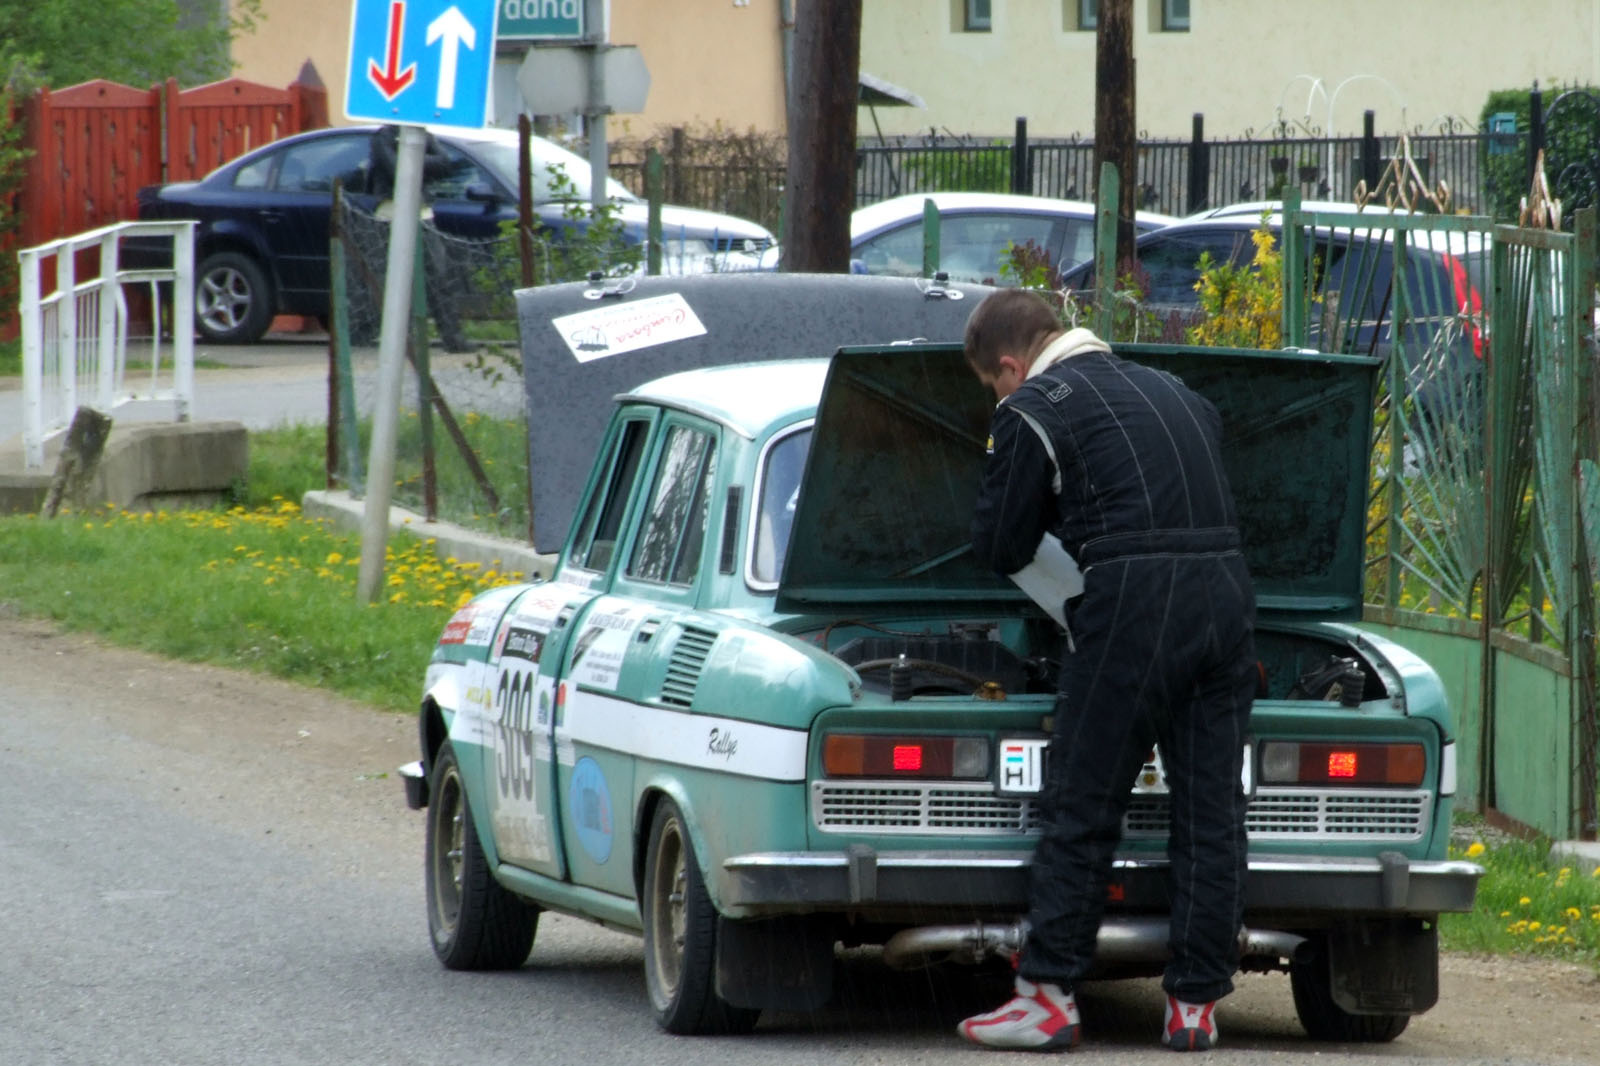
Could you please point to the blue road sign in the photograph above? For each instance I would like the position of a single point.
(421, 62)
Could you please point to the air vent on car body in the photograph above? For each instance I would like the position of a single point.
(683, 669)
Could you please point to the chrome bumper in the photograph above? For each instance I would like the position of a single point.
(859, 877)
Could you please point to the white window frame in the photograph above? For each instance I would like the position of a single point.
(974, 21)
(1171, 21)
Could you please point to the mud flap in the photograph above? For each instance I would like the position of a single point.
(1384, 965)
(774, 963)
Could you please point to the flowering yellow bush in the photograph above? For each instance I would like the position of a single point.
(1243, 305)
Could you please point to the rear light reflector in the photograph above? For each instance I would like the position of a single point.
(1300, 763)
(871, 755)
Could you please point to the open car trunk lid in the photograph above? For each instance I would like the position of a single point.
(898, 450)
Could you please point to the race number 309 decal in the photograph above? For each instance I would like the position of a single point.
(514, 710)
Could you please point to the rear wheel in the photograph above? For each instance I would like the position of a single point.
(475, 924)
(1326, 1020)
(232, 299)
(680, 928)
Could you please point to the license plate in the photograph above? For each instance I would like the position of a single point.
(1021, 768)
(1022, 764)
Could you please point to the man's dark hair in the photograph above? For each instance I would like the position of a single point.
(1009, 322)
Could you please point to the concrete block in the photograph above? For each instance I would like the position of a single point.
(450, 541)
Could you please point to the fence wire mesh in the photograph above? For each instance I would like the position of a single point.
(461, 451)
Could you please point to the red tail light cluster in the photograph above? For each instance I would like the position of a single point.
(1301, 763)
(871, 755)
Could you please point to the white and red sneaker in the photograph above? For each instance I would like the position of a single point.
(1189, 1026)
(1039, 1018)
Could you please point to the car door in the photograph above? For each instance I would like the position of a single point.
(466, 198)
(613, 714)
(526, 692)
(294, 210)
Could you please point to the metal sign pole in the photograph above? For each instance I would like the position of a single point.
(391, 359)
(594, 25)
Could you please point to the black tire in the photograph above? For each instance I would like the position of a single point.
(474, 923)
(1324, 1019)
(680, 929)
(232, 299)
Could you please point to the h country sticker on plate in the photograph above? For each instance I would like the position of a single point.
(1021, 766)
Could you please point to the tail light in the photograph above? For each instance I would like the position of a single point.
(872, 755)
(1300, 763)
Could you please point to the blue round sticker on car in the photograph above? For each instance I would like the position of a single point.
(591, 809)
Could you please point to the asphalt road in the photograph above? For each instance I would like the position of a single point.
(283, 379)
(202, 866)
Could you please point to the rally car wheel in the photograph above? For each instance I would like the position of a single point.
(232, 299)
(1324, 1019)
(475, 923)
(680, 928)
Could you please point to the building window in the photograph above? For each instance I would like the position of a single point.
(1088, 14)
(977, 16)
(1175, 16)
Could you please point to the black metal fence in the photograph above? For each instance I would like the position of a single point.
(1178, 177)
(1175, 177)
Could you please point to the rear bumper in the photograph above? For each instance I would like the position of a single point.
(862, 879)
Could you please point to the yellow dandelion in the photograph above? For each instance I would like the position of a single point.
(1525, 901)
(334, 559)
(1505, 914)
(1535, 925)
(1474, 849)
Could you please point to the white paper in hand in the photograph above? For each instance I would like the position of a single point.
(1052, 578)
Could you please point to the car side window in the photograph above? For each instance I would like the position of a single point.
(450, 180)
(313, 165)
(1171, 264)
(672, 530)
(897, 252)
(596, 541)
(256, 174)
(972, 246)
(777, 497)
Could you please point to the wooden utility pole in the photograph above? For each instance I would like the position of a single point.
(1116, 133)
(822, 136)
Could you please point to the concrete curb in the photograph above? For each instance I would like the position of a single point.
(144, 466)
(450, 541)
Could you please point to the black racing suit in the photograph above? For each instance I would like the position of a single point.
(1123, 463)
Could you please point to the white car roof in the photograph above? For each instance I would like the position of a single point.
(874, 217)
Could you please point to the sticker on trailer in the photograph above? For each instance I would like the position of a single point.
(618, 328)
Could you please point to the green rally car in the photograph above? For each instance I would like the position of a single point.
(768, 703)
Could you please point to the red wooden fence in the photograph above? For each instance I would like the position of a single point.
(95, 144)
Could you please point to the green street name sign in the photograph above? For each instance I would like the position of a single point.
(540, 20)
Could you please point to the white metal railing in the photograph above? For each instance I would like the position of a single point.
(75, 338)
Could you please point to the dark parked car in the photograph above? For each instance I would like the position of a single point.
(1352, 280)
(262, 245)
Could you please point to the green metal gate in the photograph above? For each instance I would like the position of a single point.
(1480, 558)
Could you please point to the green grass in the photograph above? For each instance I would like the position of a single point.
(10, 358)
(1528, 904)
(256, 585)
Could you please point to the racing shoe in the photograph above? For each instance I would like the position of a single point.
(1038, 1018)
(1190, 1026)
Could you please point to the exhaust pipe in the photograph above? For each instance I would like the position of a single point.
(1121, 940)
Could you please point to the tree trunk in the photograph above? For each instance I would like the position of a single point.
(1116, 134)
(822, 137)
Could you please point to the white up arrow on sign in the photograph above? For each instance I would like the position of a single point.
(454, 30)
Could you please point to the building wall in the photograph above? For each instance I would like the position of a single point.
(710, 60)
(1240, 62)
